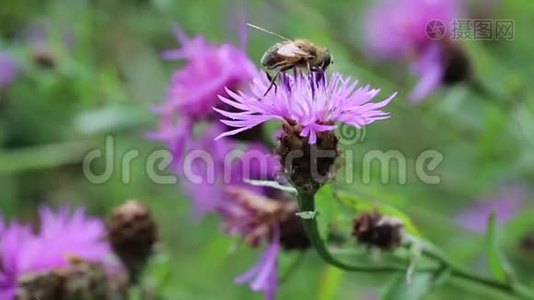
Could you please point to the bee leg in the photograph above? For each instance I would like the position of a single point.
(269, 76)
(272, 83)
(273, 78)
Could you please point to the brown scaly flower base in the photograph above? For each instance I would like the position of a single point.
(266, 213)
(375, 230)
(307, 166)
(132, 235)
(79, 280)
(457, 64)
(292, 234)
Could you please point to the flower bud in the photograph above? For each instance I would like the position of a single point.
(44, 58)
(292, 233)
(527, 243)
(253, 216)
(132, 235)
(376, 230)
(78, 280)
(307, 166)
(457, 64)
(39, 285)
(83, 280)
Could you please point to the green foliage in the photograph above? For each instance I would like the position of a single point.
(111, 76)
(498, 264)
(401, 290)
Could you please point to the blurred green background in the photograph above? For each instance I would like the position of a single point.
(106, 73)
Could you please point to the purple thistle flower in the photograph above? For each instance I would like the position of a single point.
(193, 90)
(202, 175)
(506, 203)
(264, 275)
(15, 241)
(9, 69)
(397, 28)
(211, 165)
(416, 29)
(314, 104)
(62, 234)
(430, 69)
(252, 215)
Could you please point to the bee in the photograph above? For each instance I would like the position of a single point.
(290, 54)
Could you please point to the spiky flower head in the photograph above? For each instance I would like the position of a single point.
(312, 104)
(63, 234)
(309, 107)
(209, 69)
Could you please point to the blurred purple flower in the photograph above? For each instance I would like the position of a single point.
(62, 234)
(15, 242)
(264, 275)
(193, 89)
(252, 215)
(315, 104)
(430, 69)
(9, 69)
(211, 165)
(506, 203)
(38, 35)
(398, 29)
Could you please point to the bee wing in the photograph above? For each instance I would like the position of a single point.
(291, 50)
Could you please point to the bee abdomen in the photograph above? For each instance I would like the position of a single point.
(270, 58)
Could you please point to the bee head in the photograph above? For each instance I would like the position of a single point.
(327, 60)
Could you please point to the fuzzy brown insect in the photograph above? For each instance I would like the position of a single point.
(289, 54)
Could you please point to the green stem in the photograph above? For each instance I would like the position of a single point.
(307, 203)
(464, 274)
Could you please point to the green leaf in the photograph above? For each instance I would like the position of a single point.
(135, 293)
(111, 118)
(415, 256)
(272, 184)
(43, 156)
(360, 204)
(420, 285)
(499, 266)
(441, 277)
(159, 271)
(330, 282)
